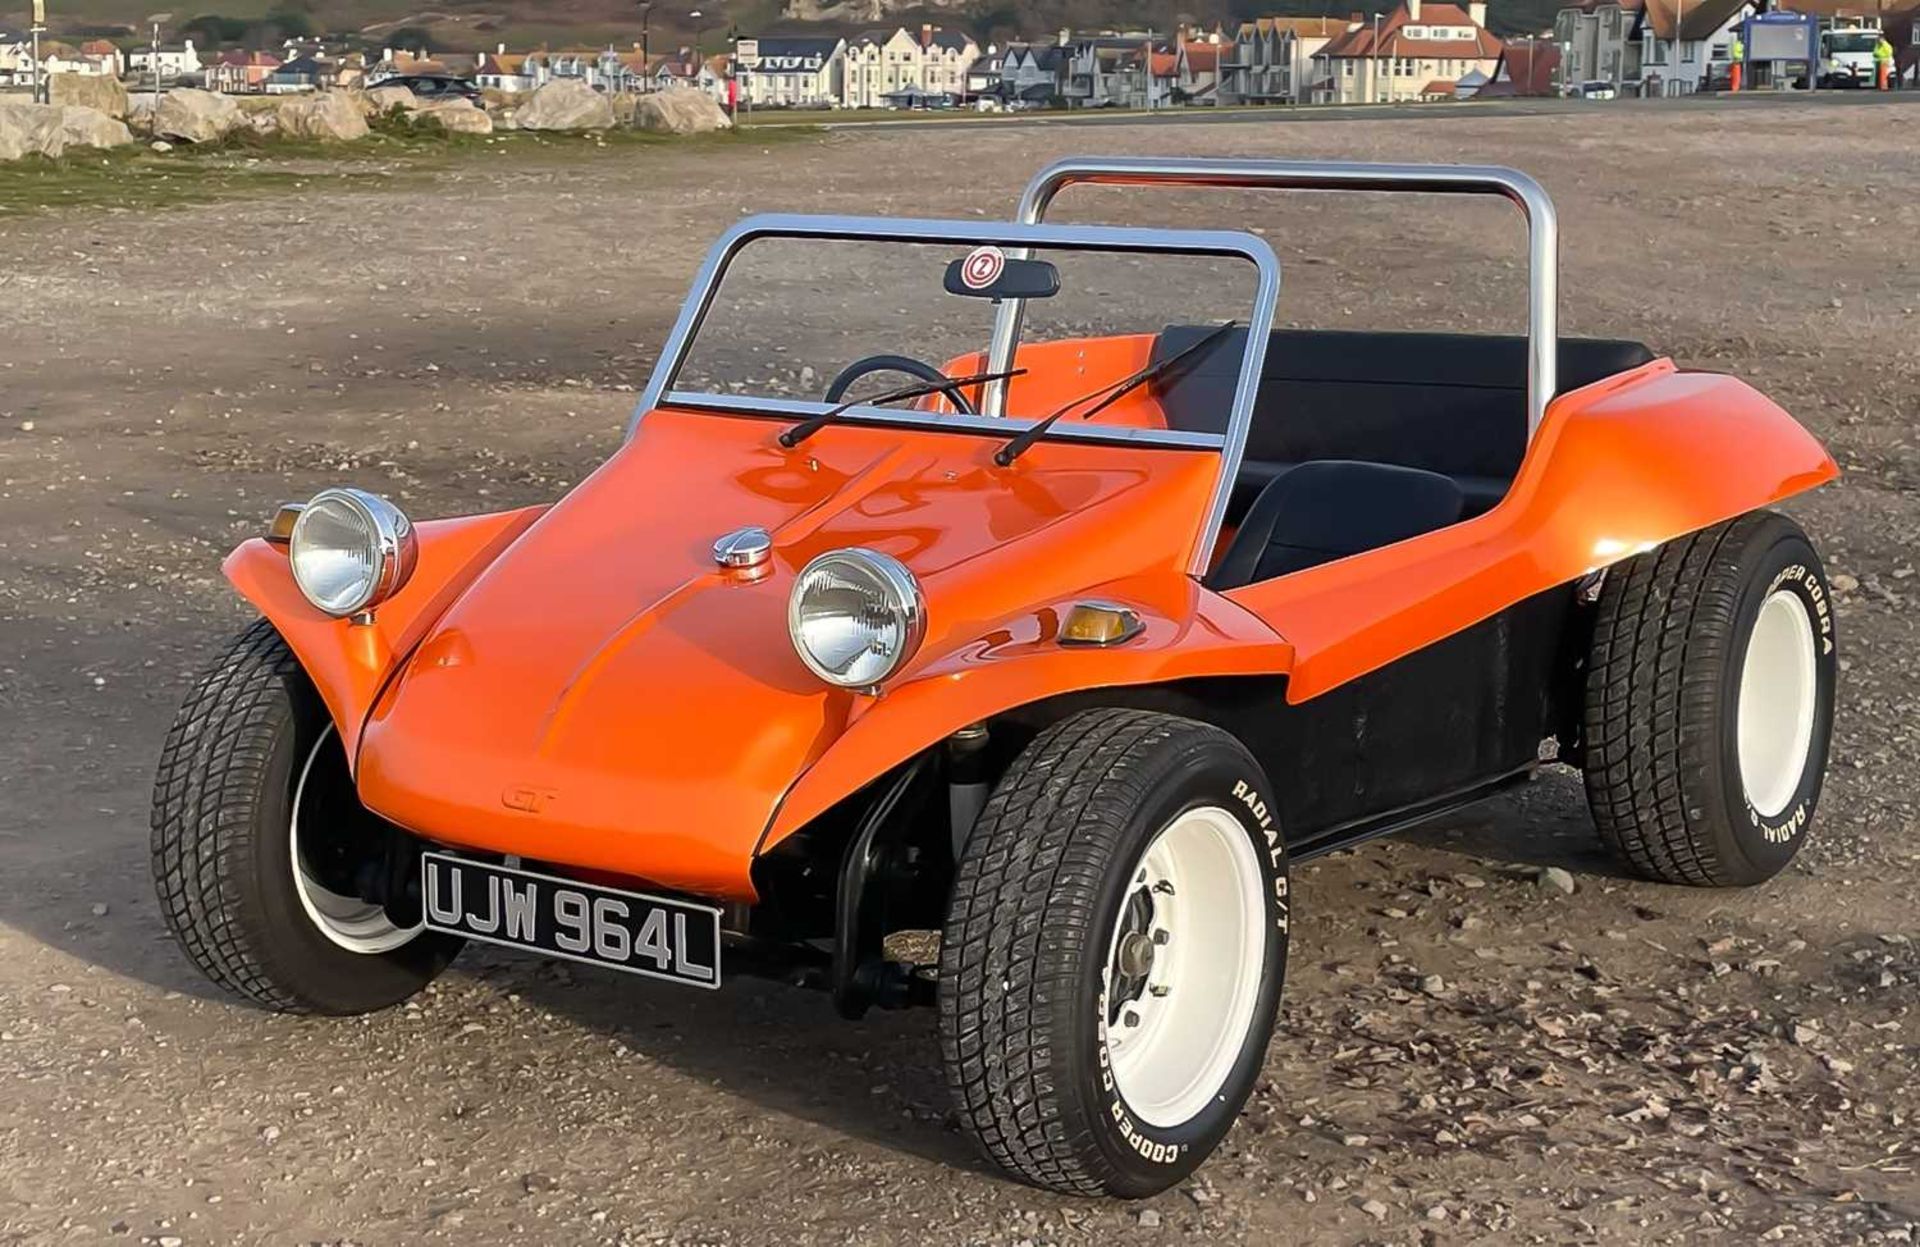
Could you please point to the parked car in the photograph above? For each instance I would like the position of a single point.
(1597, 90)
(437, 87)
(1053, 655)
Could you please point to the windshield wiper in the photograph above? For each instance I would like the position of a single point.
(813, 424)
(1108, 394)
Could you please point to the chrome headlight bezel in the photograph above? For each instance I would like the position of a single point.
(897, 594)
(385, 539)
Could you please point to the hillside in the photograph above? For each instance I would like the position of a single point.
(466, 25)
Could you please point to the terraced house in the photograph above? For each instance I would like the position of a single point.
(803, 72)
(900, 68)
(1271, 60)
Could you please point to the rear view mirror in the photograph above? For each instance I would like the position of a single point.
(989, 273)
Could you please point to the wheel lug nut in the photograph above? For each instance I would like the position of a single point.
(1162, 937)
(1164, 888)
(1159, 990)
(1130, 1018)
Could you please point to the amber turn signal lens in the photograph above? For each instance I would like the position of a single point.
(280, 532)
(1099, 623)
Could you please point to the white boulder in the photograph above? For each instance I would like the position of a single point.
(565, 104)
(456, 116)
(89, 127)
(326, 115)
(680, 112)
(30, 130)
(192, 116)
(96, 91)
(386, 99)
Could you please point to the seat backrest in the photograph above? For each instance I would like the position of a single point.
(1454, 403)
(1330, 508)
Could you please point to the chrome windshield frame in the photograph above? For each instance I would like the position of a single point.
(1018, 238)
(1543, 230)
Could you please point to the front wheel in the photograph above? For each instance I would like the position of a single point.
(278, 884)
(1114, 951)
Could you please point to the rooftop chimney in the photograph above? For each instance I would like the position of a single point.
(1413, 10)
(1478, 12)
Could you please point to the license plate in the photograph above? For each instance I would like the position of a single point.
(656, 936)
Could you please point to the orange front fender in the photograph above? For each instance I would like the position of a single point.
(348, 662)
(1189, 632)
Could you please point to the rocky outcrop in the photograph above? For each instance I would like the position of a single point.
(679, 112)
(326, 115)
(191, 116)
(456, 117)
(95, 91)
(565, 104)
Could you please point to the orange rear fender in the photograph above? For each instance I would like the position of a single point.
(1617, 468)
(349, 663)
(1188, 632)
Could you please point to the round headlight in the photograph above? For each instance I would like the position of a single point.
(855, 615)
(351, 550)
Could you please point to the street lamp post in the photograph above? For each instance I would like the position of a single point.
(39, 28)
(646, 49)
(1373, 79)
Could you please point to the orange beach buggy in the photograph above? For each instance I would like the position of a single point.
(1023, 584)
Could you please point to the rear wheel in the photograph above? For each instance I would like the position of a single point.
(1114, 953)
(274, 878)
(1709, 703)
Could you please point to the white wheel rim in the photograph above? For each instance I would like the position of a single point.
(355, 925)
(1173, 1035)
(1779, 689)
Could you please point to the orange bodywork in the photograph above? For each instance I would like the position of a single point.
(584, 686)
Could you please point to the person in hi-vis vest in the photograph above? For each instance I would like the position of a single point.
(1736, 62)
(1882, 63)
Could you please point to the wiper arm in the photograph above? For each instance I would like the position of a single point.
(813, 424)
(1108, 395)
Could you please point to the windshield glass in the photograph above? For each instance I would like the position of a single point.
(800, 324)
(1851, 40)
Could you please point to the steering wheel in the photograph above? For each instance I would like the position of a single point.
(895, 363)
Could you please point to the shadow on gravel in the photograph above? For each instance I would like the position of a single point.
(781, 1048)
(1546, 823)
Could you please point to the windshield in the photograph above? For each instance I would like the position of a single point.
(801, 326)
(1852, 40)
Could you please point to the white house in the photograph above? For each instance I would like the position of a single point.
(799, 72)
(503, 71)
(1412, 53)
(175, 62)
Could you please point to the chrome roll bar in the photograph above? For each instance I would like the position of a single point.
(1543, 231)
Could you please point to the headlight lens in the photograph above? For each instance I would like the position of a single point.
(351, 550)
(855, 615)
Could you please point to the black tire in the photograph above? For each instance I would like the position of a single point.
(1040, 887)
(1661, 715)
(222, 857)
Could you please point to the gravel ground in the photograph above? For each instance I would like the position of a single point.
(1467, 1052)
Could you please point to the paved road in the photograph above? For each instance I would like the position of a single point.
(1398, 113)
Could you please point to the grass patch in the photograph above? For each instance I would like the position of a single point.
(246, 164)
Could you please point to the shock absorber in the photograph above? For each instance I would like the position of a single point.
(968, 781)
